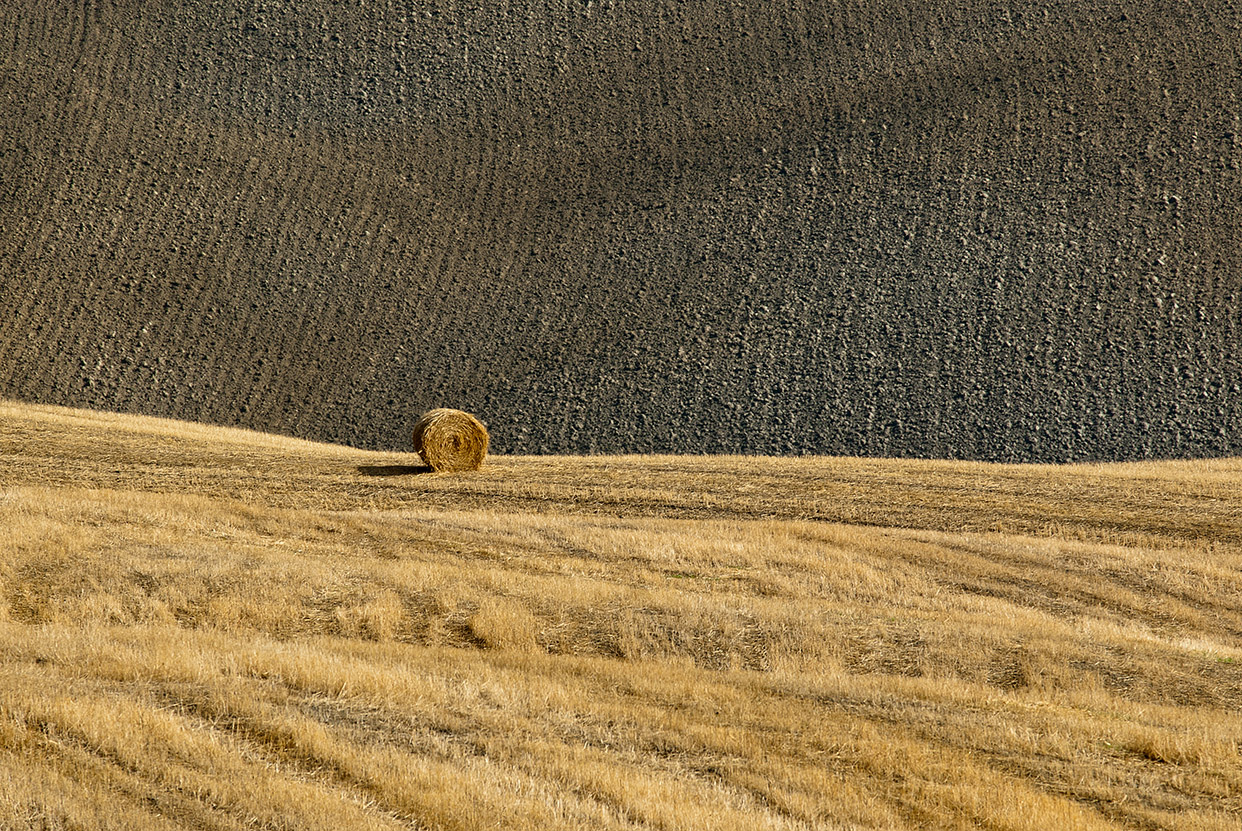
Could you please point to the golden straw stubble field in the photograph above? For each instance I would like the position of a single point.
(210, 628)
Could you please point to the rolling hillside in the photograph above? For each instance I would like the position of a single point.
(958, 229)
(214, 629)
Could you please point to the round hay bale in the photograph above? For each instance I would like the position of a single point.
(450, 440)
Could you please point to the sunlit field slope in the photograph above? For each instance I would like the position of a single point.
(208, 628)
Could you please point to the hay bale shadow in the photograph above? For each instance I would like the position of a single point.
(394, 470)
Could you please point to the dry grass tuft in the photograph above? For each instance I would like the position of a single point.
(450, 440)
(501, 623)
(380, 618)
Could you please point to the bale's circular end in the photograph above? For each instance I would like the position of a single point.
(450, 440)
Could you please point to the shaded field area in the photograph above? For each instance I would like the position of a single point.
(211, 628)
(775, 226)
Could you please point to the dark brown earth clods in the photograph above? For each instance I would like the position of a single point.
(955, 229)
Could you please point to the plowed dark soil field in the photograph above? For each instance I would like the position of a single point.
(956, 229)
